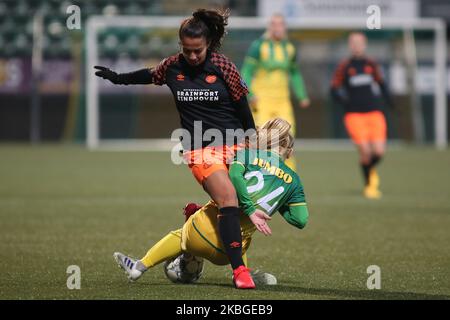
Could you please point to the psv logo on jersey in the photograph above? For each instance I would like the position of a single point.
(211, 78)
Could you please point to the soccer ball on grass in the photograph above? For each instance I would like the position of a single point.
(185, 268)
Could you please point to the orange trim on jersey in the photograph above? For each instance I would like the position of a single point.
(159, 72)
(339, 75)
(236, 86)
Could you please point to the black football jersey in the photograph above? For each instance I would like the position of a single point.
(360, 80)
(205, 96)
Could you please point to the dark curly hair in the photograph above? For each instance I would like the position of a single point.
(206, 23)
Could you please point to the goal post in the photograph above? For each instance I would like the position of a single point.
(437, 26)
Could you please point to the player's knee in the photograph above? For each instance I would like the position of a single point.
(176, 233)
(376, 158)
(227, 198)
(378, 154)
(378, 149)
(221, 190)
(365, 157)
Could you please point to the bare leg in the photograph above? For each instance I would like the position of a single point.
(221, 190)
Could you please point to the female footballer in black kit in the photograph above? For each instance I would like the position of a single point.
(207, 87)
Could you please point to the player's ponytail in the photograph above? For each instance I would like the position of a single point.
(275, 135)
(206, 23)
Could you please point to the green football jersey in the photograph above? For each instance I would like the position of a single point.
(271, 185)
(269, 67)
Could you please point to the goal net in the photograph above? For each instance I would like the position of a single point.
(412, 54)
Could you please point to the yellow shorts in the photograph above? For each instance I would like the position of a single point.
(200, 235)
(269, 108)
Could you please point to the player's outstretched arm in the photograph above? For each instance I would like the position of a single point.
(250, 66)
(296, 215)
(298, 84)
(259, 219)
(143, 76)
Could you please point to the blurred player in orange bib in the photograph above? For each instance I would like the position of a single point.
(357, 85)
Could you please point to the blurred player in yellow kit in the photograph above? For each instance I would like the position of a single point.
(269, 68)
(264, 185)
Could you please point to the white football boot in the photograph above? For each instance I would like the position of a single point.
(263, 278)
(133, 268)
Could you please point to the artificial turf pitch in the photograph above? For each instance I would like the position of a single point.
(64, 205)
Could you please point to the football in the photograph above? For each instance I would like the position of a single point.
(185, 268)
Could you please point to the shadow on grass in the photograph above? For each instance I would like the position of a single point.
(324, 293)
(355, 294)
(341, 293)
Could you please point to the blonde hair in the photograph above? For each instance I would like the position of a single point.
(274, 135)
